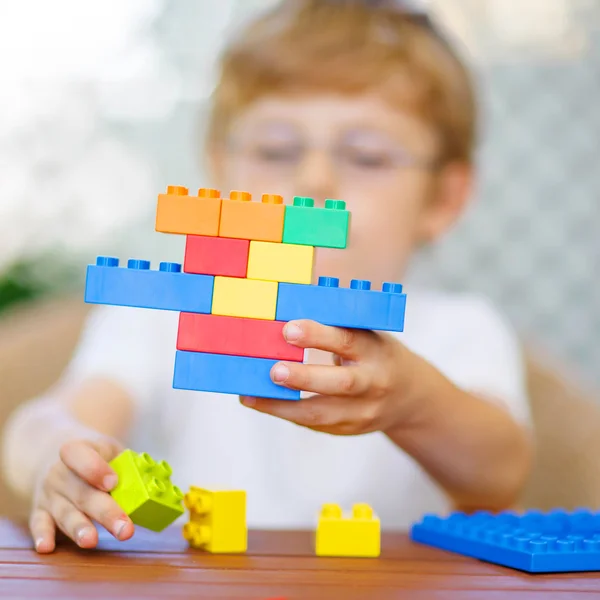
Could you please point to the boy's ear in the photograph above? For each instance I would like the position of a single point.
(451, 196)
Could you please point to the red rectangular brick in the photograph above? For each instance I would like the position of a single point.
(235, 336)
(216, 256)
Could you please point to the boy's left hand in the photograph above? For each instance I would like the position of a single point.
(366, 390)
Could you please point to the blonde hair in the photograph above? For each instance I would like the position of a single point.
(311, 46)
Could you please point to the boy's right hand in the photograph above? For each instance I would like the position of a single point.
(72, 491)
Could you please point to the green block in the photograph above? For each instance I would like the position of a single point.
(323, 227)
(145, 491)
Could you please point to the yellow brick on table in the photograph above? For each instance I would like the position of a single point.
(247, 298)
(145, 491)
(217, 520)
(289, 263)
(356, 535)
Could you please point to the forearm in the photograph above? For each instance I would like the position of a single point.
(35, 431)
(471, 447)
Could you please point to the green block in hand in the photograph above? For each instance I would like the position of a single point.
(145, 491)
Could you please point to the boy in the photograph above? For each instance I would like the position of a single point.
(324, 99)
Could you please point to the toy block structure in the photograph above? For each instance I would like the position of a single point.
(137, 286)
(357, 535)
(248, 269)
(145, 491)
(323, 227)
(256, 338)
(280, 262)
(247, 220)
(356, 307)
(205, 255)
(225, 374)
(178, 212)
(217, 521)
(247, 298)
(558, 541)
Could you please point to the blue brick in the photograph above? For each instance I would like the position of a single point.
(228, 375)
(138, 286)
(357, 307)
(553, 542)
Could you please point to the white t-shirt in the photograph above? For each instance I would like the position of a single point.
(212, 441)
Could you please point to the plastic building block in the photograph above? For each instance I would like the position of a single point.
(217, 520)
(249, 298)
(553, 542)
(239, 337)
(228, 375)
(216, 256)
(138, 286)
(280, 262)
(324, 227)
(356, 307)
(244, 219)
(356, 535)
(145, 491)
(178, 212)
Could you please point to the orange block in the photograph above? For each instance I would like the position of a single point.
(178, 212)
(243, 219)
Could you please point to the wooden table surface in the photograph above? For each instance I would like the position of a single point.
(277, 565)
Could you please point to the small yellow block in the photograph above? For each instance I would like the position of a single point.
(357, 535)
(248, 298)
(290, 263)
(217, 520)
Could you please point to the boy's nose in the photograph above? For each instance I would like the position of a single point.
(316, 177)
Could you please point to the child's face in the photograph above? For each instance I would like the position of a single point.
(356, 149)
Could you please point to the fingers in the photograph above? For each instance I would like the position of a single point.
(107, 448)
(72, 493)
(43, 530)
(347, 343)
(72, 522)
(86, 462)
(99, 506)
(326, 380)
(321, 413)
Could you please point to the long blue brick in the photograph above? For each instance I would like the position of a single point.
(228, 375)
(553, 542)
(138, 286)
(356, 307)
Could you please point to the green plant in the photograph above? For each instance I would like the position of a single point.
(33, 278)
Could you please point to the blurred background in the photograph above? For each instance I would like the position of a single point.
(102, 105)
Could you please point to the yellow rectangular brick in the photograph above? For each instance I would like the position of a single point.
(248, 298)
(355, 535)
(217, 520)
(289, 263)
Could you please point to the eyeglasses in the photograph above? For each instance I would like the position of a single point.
(278, 149)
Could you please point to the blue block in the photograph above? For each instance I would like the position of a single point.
(356, 307)
(553, 542)
(138, 286)
(228, 375)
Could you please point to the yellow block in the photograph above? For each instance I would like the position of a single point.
(217, 520)
(356, 535)
(288, 263)
(249, 298)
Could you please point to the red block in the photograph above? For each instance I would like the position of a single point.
(235, 336)
(206, 255)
